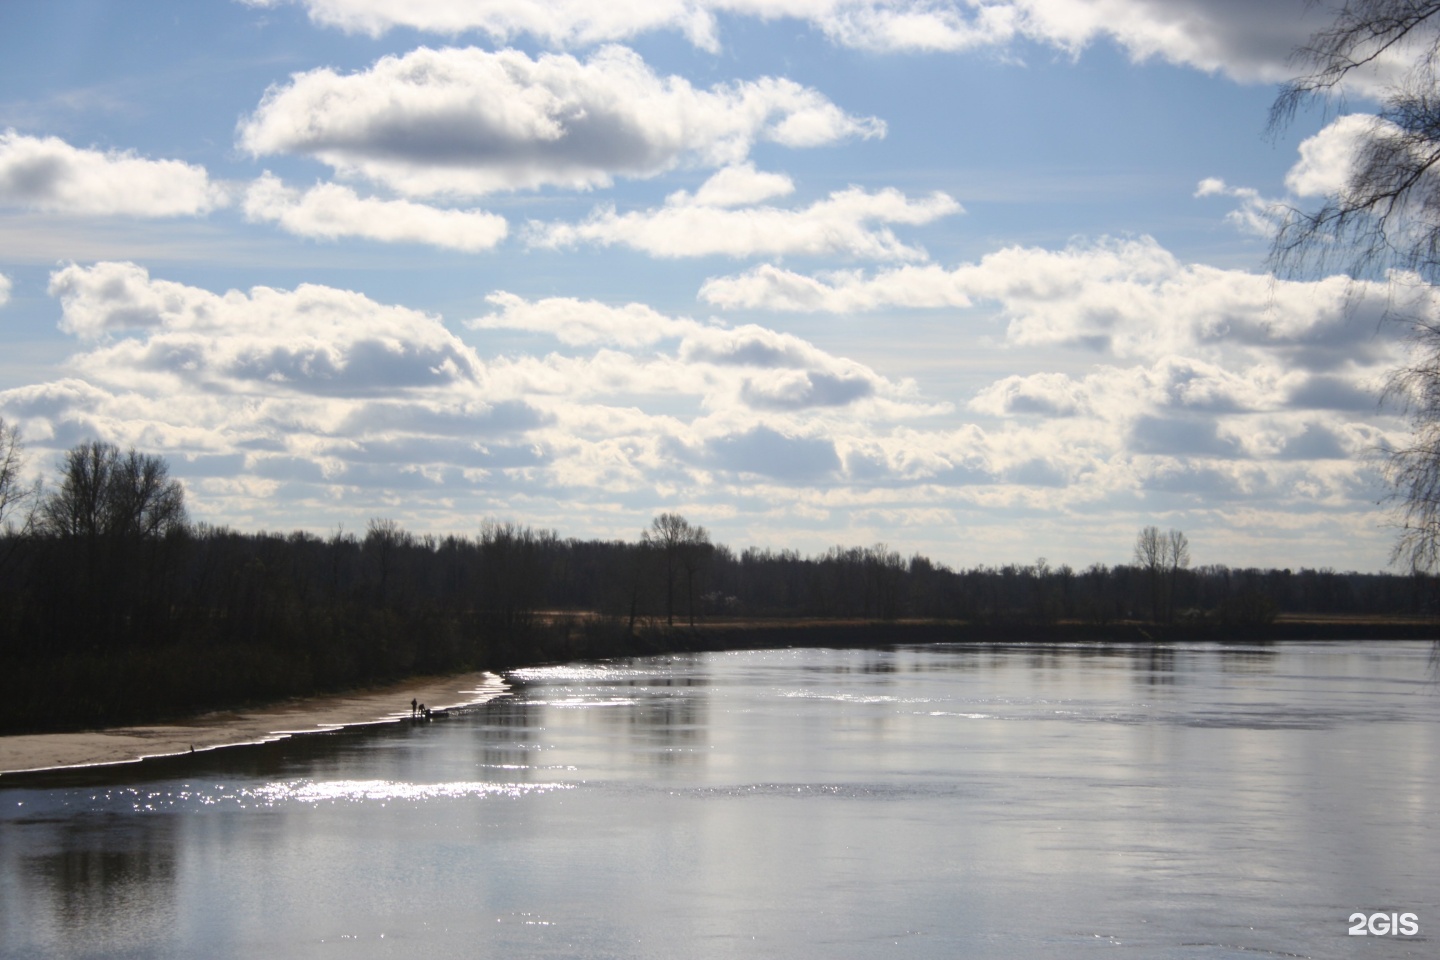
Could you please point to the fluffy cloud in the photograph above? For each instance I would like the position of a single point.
(312, 392)
(1325, 165)
(1172, 386)
(114, 297)
(469, 122)
(330, 211)
(770, 287)
(557, 22)
(1208, 386)
(739, 185)
(323, 401)
(763, 451)
(277, 400)
(1328, 158)
(1249, 41)
(49, 175)
(714, 221)
(1126, 298)
(4, 289)
(313, 340)
(583, 322)
(732, 369)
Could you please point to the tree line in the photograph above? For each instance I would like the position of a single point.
(115, 607)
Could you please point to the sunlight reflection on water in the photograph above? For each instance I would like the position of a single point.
(356, 791)
(278, 793)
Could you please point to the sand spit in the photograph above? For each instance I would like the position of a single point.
(47, 751)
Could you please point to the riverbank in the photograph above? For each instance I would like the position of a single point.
(43, 751)
(389, 704)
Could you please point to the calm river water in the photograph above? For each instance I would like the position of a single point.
(943, 801)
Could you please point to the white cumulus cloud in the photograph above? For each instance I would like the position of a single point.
(468, 122)
(1326, 163)
(330, 211)
(1249, 41)
(50, 175)
(737, 186)
(583, 322)
(321, 401)
(1328, 158)
(319, 389)
(110, 297)
(845, 223)
(556, 22)
(4, 289)
(769, 287)
(1131, 298)
(312, 339)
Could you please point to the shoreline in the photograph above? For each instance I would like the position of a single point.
(41, 752)
(50, 752)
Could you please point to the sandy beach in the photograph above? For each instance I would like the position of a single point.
(46, 751)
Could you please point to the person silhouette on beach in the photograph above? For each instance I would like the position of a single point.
(412, 706)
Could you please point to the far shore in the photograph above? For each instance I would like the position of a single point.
(211, 731)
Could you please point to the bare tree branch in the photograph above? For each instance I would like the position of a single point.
(1384, 222)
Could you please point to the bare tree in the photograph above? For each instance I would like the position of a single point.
(76, 509)
(1387, 213)
(113, 515)
(513, 574)
(1384, 221)
(1162, 556)
(106, 493)
(383, 540)
(18, 500)
(144, 501)
(680, 547)
(695, 554)
(1150, 557)
(16, 497)
(1177, 549)
(1177, 558)
(1414, 469)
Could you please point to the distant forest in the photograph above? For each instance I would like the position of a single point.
(115, 608)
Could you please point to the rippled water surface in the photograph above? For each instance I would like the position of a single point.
(943, 801)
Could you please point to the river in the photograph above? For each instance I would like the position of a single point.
(1196, 801)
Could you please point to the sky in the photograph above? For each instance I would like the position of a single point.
(985, 280)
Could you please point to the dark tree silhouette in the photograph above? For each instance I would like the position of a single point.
(207, 617)
(1162, 556)
(681, 548)
(106, 493)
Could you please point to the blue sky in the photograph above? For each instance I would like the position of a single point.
(980, 279)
